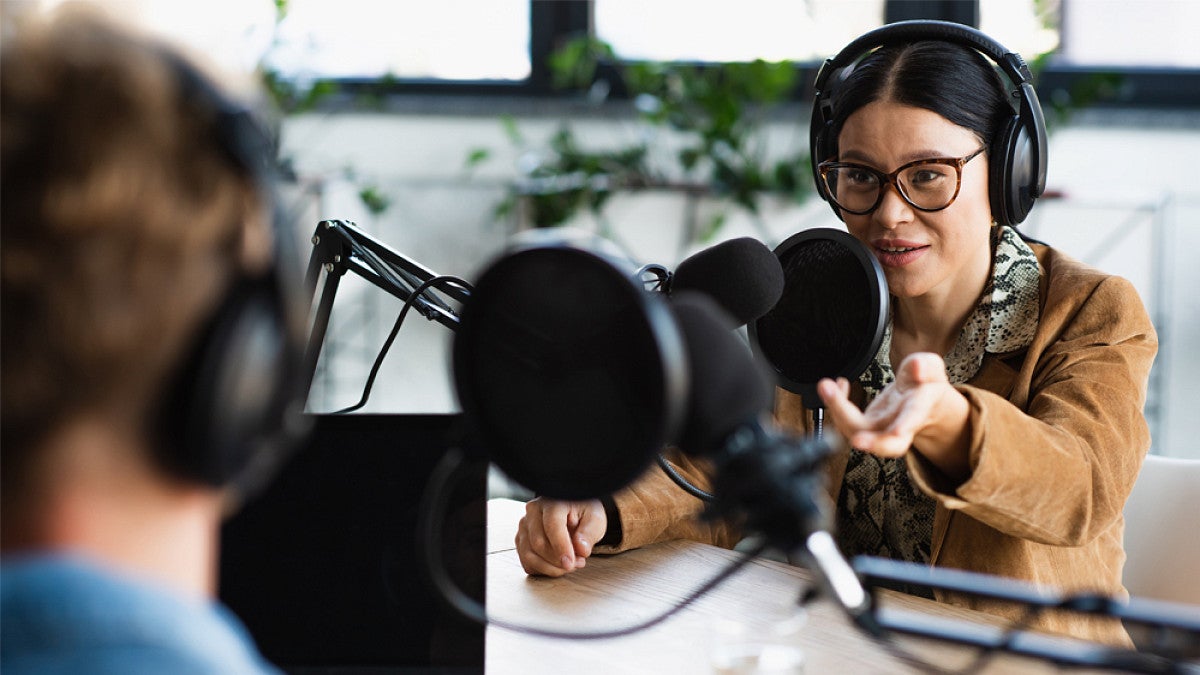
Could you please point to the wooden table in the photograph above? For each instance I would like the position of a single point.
(615, 591)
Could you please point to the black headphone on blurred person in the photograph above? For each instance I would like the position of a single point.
(1017, 156)
(234, 407)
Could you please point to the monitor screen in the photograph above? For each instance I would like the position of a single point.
(324, 567)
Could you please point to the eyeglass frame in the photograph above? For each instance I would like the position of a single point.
(891, 179)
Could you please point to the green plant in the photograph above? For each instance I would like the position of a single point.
(1063, 102)
(720, 111)
(292, 96)
(717, 111)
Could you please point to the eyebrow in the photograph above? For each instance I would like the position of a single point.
(856, 156)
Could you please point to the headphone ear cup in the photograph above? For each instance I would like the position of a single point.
(999, 170)
(231, 413)
(1011, 174)
(228, 400)
(1022, 177)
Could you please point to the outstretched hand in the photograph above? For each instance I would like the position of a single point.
(920, 409)
(555, 537)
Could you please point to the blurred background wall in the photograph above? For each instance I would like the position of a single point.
(430, 125)
(1111, 209)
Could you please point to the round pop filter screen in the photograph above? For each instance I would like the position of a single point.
(571, 373)
(830, 320)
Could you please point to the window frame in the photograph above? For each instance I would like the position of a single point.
(553, 23)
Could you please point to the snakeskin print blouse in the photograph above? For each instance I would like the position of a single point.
(880, 512)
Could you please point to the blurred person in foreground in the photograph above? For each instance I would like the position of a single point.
(135, 249)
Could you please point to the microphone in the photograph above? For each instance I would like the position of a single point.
(573, 399)
(772, 481)
(573, 372)
(569, 371)
(742, 275)
(831, 317)
(769, 479)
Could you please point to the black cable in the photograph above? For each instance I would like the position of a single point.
(886, 640)
(376, 263)
(981, 659)
(682, 482)
(394, 275)
(387, 344)
(433, 510)
(1014, 629)
(893, 648)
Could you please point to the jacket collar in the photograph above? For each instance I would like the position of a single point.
(1004, 321)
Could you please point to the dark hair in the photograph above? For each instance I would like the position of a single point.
(953, 81)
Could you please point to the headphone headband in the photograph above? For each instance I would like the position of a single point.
(917, 30)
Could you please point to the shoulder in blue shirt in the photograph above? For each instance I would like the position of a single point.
(63, 614)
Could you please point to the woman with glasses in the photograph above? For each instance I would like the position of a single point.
(1000, 427)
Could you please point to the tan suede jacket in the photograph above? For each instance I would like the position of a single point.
(1057, 439)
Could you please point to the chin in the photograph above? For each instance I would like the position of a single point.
(902, 284)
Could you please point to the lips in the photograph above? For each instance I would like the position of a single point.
(898, 253)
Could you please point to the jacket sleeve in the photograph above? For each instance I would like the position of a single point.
(1055, 462)
(653, 508)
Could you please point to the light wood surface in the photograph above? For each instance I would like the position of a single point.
(616, 591)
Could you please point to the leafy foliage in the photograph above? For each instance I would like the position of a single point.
(1088, 90)
(718, 110)
(291, 96)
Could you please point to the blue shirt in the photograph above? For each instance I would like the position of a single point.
(62, 614)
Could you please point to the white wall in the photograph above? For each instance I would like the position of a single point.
(1131, 205)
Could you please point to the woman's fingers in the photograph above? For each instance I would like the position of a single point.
(593, 523)
(554, 537)
(537, 534)
(846, 416)
(558, 521)
(528, 552)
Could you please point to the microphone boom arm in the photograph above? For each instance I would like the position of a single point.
(776, 483)
(340, 246)
(1175, 628)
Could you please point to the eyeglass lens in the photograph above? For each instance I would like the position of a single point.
(925, 186)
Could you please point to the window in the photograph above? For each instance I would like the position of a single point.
(1148, 33)
(1111, 34)
(1027, 27)
(443, 40)
(773, 30)
(501, 46)
(349, 39)
(232, 33)
(1147, 46)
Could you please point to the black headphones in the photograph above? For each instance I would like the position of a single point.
(1017, 156)
(234, 407)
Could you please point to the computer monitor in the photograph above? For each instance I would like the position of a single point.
(325, 569)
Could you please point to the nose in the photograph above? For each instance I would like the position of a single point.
(892, 210)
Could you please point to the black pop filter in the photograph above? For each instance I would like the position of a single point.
(832, 315)
(573, 375)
